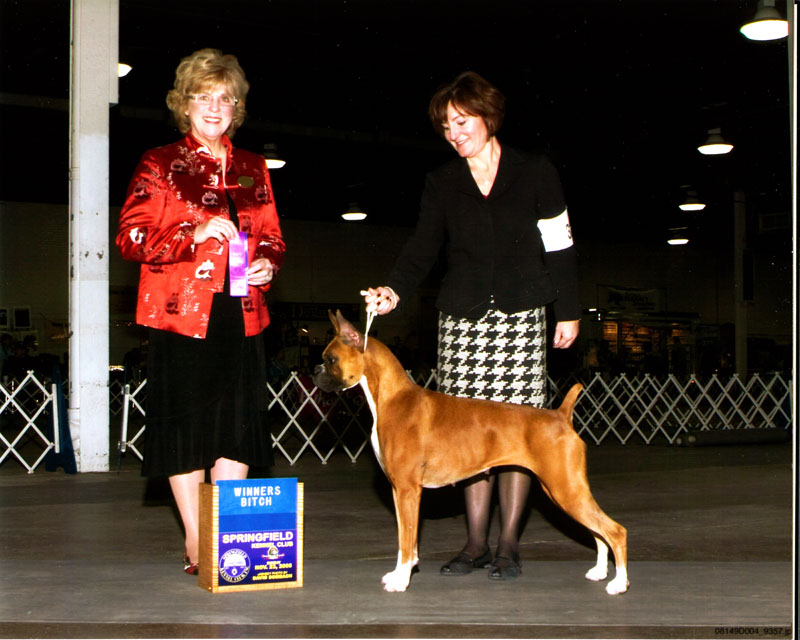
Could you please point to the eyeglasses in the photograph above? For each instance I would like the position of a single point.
(224, 101)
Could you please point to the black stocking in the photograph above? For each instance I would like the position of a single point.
(513, 489)
(478, 497)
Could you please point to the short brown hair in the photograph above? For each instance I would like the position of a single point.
(470, 94)
(201, 71)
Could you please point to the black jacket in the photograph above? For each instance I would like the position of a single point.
(493, 245)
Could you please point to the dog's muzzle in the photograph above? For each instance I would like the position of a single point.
(325, 381)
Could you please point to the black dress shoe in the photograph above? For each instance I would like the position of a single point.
(504, 568)
(464, 563)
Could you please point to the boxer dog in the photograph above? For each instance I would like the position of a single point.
(424, 438)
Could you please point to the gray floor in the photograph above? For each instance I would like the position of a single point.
(710, 543)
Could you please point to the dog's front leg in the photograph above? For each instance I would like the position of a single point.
(406, 504)
(600, 570)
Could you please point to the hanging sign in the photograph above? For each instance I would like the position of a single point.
(630, 301)
(251, 535)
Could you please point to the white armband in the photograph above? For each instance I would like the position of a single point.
(556, 232)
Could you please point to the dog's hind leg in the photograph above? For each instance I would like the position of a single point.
(581, 505)
(564, 480)
(406, 504)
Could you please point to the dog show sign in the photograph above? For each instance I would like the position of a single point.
(251, 535)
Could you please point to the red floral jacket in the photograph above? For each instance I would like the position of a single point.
(174, 189)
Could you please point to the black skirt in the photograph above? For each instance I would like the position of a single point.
(206, 399)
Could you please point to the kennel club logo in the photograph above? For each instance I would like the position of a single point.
(234, 565)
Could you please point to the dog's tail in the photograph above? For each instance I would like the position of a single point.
(569, 400)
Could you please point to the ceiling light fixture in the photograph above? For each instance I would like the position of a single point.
(274, 160)
(692, 202)
(767, 24)
(715, 144)
(354, 213)
(678, 236)
(123, 69)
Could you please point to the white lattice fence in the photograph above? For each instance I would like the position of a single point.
(654, 408)
(28, 420)
(133, 415)
(304, 421)
(116, 396)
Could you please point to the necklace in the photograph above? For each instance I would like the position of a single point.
(484, 165)
(484, 177)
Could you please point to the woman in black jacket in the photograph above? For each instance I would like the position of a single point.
(502, 218)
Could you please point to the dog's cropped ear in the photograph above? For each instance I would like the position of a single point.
(348, 334)
(334, 321)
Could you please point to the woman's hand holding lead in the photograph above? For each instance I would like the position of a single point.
(380, 300)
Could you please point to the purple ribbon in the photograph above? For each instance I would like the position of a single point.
(237, 264)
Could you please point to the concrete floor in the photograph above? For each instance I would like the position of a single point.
(710, 533)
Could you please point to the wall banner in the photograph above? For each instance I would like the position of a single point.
(626, 300)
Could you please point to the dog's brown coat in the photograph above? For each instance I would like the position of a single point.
(428, 439)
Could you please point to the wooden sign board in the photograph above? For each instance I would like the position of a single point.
(251, 535)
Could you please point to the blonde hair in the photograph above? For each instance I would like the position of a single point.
(202, 71)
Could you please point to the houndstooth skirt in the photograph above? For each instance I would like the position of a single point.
(501, 357)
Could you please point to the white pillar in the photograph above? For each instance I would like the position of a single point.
(93, 85)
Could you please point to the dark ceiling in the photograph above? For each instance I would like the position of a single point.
(618, 92)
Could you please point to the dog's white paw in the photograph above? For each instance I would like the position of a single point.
(597, 573)
(618, 585)
(397, 580)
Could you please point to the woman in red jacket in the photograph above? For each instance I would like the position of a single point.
(200, 218)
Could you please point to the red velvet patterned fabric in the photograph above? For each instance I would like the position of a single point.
(175, 188)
